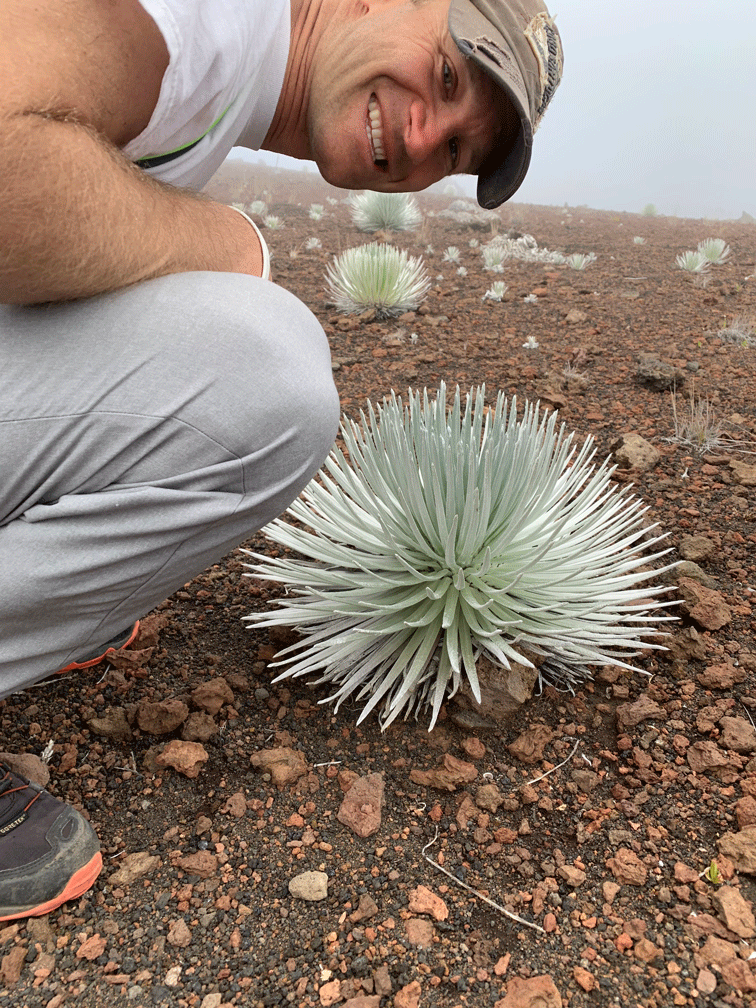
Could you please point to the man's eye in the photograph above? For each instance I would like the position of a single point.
(448, 77)
(454, 151)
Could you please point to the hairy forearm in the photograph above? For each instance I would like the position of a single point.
(78, 219)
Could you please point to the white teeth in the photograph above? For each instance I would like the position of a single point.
(374, 129)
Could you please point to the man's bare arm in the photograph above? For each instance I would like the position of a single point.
(77, 218)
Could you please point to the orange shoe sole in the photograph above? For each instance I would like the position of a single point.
(72, 666)
(78, 884)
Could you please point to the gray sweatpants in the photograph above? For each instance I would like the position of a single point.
(143, 435)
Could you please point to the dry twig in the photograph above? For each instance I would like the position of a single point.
(491, 903)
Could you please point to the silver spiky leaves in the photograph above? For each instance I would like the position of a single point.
(377, 276)
(374, 211)
(452, 533)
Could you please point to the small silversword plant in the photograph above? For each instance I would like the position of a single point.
(448, 531)
(496, 291)
(372, 211)
(316, 211)
(312, 243)
(494, 257)
(638, 240)
(273, 222)
(377, 276)
(714, 250)
(258, 207)
(579, 260)
(451, 254)
(692, 262)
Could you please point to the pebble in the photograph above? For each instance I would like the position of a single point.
(310, 885)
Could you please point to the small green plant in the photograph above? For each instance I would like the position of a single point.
(377, 276)
(445, 531)
(649, 210)
(692, 262)
(713, 874)
(374, 211)
(258, 207)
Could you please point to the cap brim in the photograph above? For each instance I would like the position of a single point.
(504, 170)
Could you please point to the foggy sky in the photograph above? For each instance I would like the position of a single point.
(657, 106)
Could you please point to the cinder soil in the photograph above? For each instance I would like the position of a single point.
(606, 854)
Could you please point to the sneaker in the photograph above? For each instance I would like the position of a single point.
(48, 851)
(121, 640)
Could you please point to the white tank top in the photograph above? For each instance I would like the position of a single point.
(221, 88)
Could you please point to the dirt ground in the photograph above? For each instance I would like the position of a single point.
(650, 775)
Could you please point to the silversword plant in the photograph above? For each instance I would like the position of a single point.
(451, 255)
(496, 291)
(692, 262)
(377, 276)
(525, 248)
(316, 211)
(445, 531)
(579, 260)
(373, 211)
(258, 207)
(494, 257)
(312, 243)
(638, 240)
(273, 222)
(714, 250)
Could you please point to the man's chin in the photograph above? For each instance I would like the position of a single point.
(344, 177)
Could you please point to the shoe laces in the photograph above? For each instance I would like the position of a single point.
(11, 784)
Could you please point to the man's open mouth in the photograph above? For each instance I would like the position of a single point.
(374, 127)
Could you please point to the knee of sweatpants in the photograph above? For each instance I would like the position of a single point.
(271, 398)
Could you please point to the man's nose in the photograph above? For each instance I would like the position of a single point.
(429, 131)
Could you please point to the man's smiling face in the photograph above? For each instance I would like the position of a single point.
(394, 105)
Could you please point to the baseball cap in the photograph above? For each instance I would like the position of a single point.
(517, 44)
